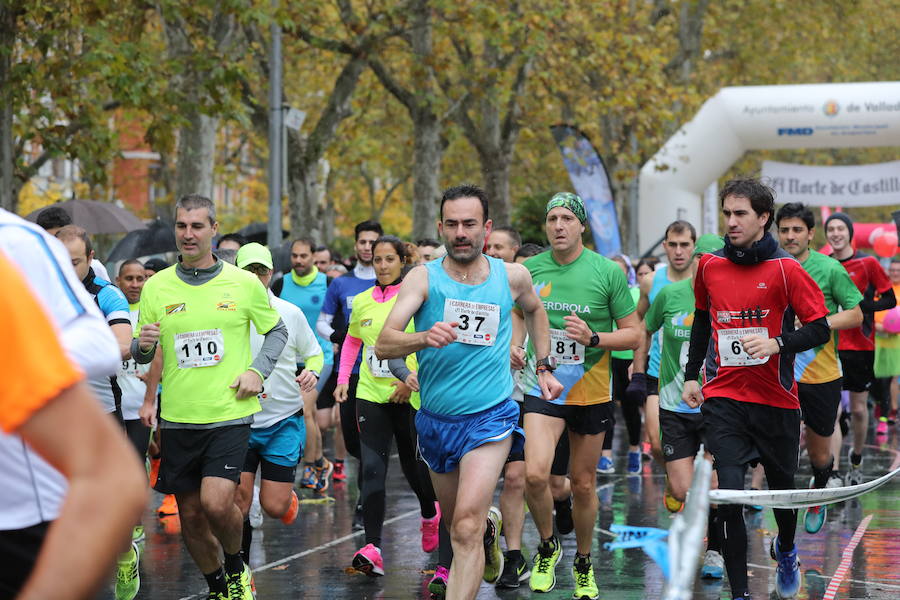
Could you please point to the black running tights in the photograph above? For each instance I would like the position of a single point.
(630, 411)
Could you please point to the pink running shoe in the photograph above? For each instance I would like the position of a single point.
(438, 584)
(367, 560)
(880, 429)
(429, 529)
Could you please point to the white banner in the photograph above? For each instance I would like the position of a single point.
(858, 185)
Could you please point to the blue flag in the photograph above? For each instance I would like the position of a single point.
(591, 182)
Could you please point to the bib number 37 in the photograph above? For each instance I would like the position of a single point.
(478, 323)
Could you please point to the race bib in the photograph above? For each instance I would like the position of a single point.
(478, 323)
(377, 367)
(199, 348)
(567, 351)
(731, 351)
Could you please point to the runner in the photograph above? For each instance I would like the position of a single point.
(678, 243)
(887, 361)
(856, 347)
(817, 370)
(200, 312)
(747, 295)
(54, 218)
(384, 408)
(503, 243)
(467, 422)
(41, 397)
(584, 294)
(681, 426)
(428, 249)
(305, 287)
(277, 433)
(332, 325)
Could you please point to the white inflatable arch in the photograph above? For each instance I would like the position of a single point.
(737, 119)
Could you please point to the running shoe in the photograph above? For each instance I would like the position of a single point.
(515, 571)
(543, 571)
(240, 586)
(138, 536)
(322, 475)
(128, 577)
(169, 506)
(217, 596)
(673, 504)
(854, 471)
(339, 474)
(367, 560)
(293, 510)
(605, 466)
(564, 521)
(713, 566)
(882, 427)
(814, 518)
(493, 556)
(787, 573)
(438, 584)
(634, 463)
(646, 451)
(308, 479)
(430, 530)
(585, 584)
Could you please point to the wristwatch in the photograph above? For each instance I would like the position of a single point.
(546, 364)
(595, 340)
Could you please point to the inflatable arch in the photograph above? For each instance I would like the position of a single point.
(737, 119)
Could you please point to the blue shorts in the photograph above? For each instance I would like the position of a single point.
(445, 439)
(281, 443)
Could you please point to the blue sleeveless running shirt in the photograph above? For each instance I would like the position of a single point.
(309, 299)
(466, 378)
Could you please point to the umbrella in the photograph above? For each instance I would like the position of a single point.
(258, 232)
(97, 217)
(157, 238)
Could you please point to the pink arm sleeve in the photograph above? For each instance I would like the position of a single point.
(349, 352)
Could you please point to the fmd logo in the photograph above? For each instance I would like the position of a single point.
(795, 131)
(831, 108)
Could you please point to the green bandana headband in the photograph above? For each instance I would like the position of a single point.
(570, 201)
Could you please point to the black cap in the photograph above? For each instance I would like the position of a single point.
(842, 217)
(156, 264)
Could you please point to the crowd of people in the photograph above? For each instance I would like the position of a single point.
(488, 362)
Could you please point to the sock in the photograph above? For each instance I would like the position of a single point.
(234, 564)
(820, 476)
(787, 527)
(562, 505)
(582, 562)
(320, 462)
(427, 510)
(339, 461)
(216, 581)
(549, 543)
(246, 541)
(855, 459)
(713, 533)
(513, 555)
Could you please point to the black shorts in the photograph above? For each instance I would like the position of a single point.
(859, 369)
(652, 385)
(819, 404)
(560, 464)
(745, 433)
(268, 470)
(584, 420)
(19, 549)
(325, 398)
(681, 434)
(189, 455)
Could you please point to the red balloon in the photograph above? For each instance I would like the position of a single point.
(886, 245)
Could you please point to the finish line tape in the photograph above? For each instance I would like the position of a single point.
(847, 557)
(798, 498)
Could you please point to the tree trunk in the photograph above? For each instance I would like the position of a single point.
(196, 156)
(428, 151)
(9, 186)
(306, 187)
(495, 172)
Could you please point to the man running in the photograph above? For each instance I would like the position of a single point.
(503, 243)
(584, 294)
(200, 311)
(467, 422)
(277, 434)
(856, 347)
(332, 325)
(817, 371)
(747, 295)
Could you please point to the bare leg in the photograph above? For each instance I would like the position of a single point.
(541, 435)
(651, 424)
(584, 454)
(195, 530)
(512, 504)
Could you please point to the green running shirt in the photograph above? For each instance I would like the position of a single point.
(673, 311)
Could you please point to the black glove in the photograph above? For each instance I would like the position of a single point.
(636, 392)
(337, 336)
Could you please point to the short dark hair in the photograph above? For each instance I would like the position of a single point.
(71, 232)
(528, 250)
(428, 242)
(650, 261)
(195, 201)
(398, 244)
(680, 226)
(53, 217)
(466, 190)
(796, 210)
(761, 196)
(512, 233)
(128, 263)
(367, 226)
(305, 240)
(233, 237)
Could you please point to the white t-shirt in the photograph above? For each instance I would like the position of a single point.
(281, 395)
(127, 377)
(32, 490)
